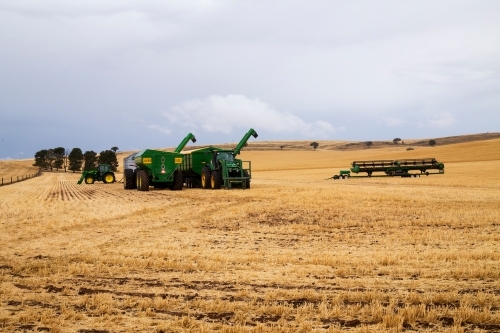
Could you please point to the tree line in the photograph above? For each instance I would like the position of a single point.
(74, 160)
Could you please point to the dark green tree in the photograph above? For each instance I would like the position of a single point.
(281, 147)
(90, 160)
(75, 159)
(432, 143)
(396, 140)
(108, 157)
(41, 159)
(114, 149)
(314, 145)
(369, 143)
(51, 157)
(59, 153)
(66, 159)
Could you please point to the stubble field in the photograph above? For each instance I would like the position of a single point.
(296, 253)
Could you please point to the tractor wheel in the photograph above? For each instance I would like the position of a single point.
(177, 184)
(216, 180)
(129, 182)
(205, 178)
(108, 178)
(245, 174)
(137, 180)
(89, 180)
(143, 180)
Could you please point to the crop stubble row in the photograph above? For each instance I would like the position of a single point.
(304, 255)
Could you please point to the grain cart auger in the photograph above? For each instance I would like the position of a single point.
(214, 168)
(155, 168)
(102, 173)
(393, 168)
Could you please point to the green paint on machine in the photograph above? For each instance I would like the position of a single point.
(215, 168)
(391, 168)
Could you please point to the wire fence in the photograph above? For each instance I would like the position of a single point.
(16, 179)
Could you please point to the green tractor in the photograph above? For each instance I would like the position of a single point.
(102, 173)
(214, 168)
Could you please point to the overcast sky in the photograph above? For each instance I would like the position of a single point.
(142, 74)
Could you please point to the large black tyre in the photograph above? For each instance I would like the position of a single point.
(137, 180)
(108, 178)
(205, 178)
(129, 179)
(177, 184)
(245, 174)
(142, 180)
(216, 180)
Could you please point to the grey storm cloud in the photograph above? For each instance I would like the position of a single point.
(94, 74)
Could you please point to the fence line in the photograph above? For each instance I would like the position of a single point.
(16, 179)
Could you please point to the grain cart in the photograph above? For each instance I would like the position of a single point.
(393, 168)
(102, 173)
(158, 168)
(213, 167)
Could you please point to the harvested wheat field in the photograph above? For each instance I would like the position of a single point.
(296, 253)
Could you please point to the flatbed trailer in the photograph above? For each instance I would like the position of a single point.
(391, 168)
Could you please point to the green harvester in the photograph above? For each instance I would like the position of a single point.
(101, 173)
(157, 168)
(215, 168)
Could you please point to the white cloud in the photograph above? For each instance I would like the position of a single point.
(441, 121)
(222, 114)
(394, 122)
(161, 129)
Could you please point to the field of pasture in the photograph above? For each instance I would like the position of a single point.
(296, 253)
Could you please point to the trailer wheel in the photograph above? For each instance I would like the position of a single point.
(129, 182)
(216, 180)
(205, 178)
(245, 174)
(89, 180)
(142, 180)
(108, 178)
(426, 173)
(177, 184)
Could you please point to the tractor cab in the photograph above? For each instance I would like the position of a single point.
(223, 158)
(103, 168)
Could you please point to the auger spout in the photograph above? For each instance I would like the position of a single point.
(243, 141)
(184, 142)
